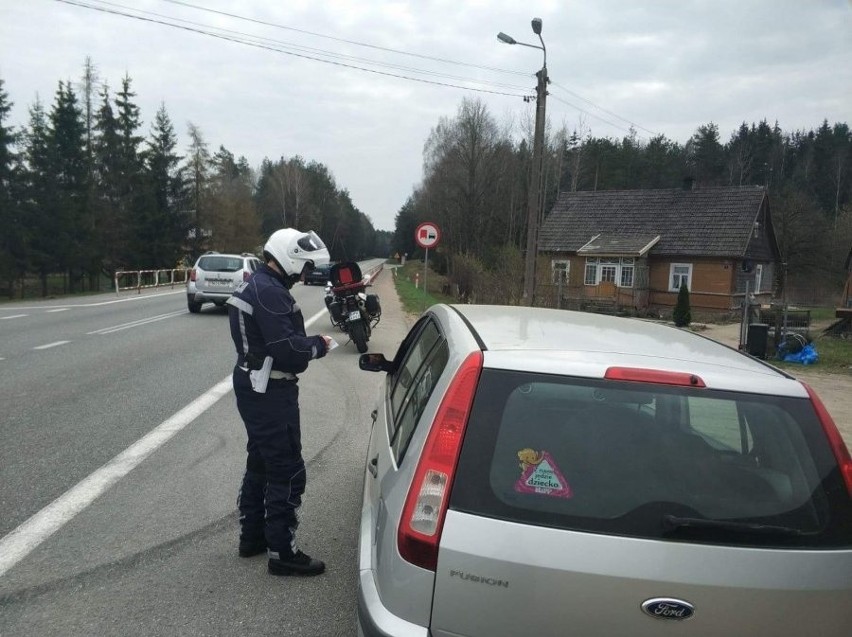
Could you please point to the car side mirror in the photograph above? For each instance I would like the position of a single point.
(375, 363)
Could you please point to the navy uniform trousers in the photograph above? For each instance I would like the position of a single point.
(274, 481)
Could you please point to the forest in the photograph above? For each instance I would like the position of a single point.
(83, 194)
(476, 174)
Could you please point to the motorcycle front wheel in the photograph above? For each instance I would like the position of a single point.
(358, 334)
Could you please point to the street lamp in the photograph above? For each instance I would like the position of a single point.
(535, 194)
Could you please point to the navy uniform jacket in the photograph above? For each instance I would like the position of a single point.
(267, 321)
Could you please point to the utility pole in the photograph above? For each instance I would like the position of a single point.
(534, 198)
(534, 201)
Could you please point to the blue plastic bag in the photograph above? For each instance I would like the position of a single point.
(806, 356)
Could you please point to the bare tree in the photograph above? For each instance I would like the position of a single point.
(198, 171)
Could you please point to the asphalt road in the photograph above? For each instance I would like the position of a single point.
(98, 540)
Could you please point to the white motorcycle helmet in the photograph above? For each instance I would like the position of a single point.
(294, 250)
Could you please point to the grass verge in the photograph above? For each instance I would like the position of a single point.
(408, 280)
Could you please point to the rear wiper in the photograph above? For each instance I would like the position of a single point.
(675, 523)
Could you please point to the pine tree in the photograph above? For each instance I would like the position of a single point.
(12, 248)
(166, 226)
(110, 220)
(682, 315)
(706, 156)
(70, 170)
(134, 188)
(39, 197)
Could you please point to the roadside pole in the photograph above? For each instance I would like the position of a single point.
(425, 270)
(427, 235)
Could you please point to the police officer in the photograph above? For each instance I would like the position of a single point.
(272, 348)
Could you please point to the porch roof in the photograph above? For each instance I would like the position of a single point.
(618, 245)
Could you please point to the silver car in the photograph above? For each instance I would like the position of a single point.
(544, 472)
(215, 276)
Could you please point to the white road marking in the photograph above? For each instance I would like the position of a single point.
(137, 323)
(6, 318)
(49, 345)
(59, 309)
(20, 542)
(140, 297)
(28, 536)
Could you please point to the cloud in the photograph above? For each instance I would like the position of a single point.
(665, 66)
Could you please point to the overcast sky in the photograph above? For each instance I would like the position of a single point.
(666, 67)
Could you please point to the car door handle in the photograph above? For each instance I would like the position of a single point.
(373, 466)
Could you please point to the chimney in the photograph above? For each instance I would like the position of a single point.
(688, 183)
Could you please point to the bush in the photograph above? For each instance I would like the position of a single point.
(682, 315)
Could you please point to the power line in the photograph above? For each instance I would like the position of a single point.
(575, 107)
(356, 43)
(292, 53)
(425, 57)
(310, 53)
(311, 50)
(400, 52)
(616, 115)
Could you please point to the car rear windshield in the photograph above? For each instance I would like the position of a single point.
(651, 461)
(220, 264)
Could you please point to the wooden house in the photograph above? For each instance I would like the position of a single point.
(633, 248)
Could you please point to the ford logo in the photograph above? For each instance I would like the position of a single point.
(667, 608)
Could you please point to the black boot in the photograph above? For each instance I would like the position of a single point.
(296, 564)
(250, 548)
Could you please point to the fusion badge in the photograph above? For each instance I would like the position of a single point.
(668, 608)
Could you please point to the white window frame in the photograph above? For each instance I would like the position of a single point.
(591, 268)
(676, 288)
(758, 277)
(593, 273)
(559, 269)
(628, 264)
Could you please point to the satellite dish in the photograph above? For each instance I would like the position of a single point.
(747, 265)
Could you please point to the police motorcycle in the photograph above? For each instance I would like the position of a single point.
(352, 310)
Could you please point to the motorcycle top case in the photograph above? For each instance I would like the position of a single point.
(345, 275)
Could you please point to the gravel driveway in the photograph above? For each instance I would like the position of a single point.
(835, 390)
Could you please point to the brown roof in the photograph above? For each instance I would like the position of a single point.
(702, 222)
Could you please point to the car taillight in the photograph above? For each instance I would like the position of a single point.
(428, 496)
(658, 376)
(841, 453)
(246, 275)
(192, 274)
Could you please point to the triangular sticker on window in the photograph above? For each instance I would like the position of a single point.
(541, 475)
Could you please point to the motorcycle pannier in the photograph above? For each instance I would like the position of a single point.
(373, 306)
(336, 311)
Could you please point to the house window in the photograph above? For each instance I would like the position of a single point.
(680, 273)
(618, 271)
(758, 277)
(591, 277)
(559, 271)
(626, 273)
